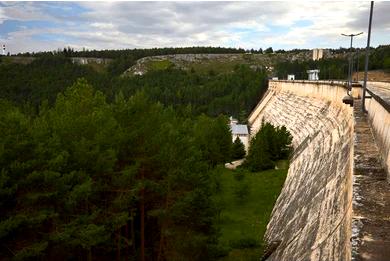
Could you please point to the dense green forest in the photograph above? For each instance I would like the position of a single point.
(234, 93)
(136, 53)
(43, 79)
(89, 179)
(109, 167)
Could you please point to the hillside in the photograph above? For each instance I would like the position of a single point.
(213, 62)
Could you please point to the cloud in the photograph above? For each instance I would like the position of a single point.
(381, 17)
(114, 25)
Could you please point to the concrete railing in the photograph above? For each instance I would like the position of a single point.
(378, 108)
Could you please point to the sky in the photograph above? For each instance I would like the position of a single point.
(47, 26)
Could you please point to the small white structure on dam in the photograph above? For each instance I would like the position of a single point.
(240, 131)
(313, 75)
(290, 77)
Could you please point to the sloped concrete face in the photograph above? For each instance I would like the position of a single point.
(312, 216)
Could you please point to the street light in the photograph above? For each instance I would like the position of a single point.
(367, 56)
(350, 59)
(357, 69)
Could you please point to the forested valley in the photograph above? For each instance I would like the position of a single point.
(95, 166)
(100, 166)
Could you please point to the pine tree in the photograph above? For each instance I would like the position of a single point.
(269, 145)
(238, 149)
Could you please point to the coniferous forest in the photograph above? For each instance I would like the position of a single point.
(99, 167)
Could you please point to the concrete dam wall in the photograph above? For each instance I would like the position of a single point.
(312, 216)
(378, 108)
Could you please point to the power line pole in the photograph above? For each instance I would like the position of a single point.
(367, 56)
(350, 65)
(357, 70)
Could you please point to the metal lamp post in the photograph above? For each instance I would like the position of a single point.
(350, 59)
(367, 56)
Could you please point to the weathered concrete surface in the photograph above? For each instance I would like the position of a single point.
(371, 195)
(382, 89)
(312, 216)
(378, 108)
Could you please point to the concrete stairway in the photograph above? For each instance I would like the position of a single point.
(371, 196)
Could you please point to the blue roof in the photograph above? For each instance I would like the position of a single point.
(239, 129)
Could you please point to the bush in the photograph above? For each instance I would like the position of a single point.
(217, 251)
(241, 190)
(239, 174)
(386, 63)
(238, 149)
(269, 50)
(269, 145)
(244, 243)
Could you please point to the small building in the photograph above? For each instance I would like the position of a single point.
(318, 54)
(290, 77)
(240, 131)
(313, 75)
(275, 78)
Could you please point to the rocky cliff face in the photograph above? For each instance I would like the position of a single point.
(312, 216)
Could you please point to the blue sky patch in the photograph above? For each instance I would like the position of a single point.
(303, 23)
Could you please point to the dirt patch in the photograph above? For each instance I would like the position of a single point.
(377, 75)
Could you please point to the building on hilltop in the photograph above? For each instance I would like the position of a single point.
(240, 131)
(318, 54)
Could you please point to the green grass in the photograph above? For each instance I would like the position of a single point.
(245, 220)
(216, 66)
(99, 67)
(159, 65)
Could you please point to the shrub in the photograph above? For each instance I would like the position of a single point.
(241, 190)
(386, 63)
(217, 251)
(269, 145)
(238, 149)
(239, 174)
(244, 243)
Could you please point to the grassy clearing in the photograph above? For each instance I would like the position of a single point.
(215, 66)
(159, 65)
(99, 67)
(246, 203)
